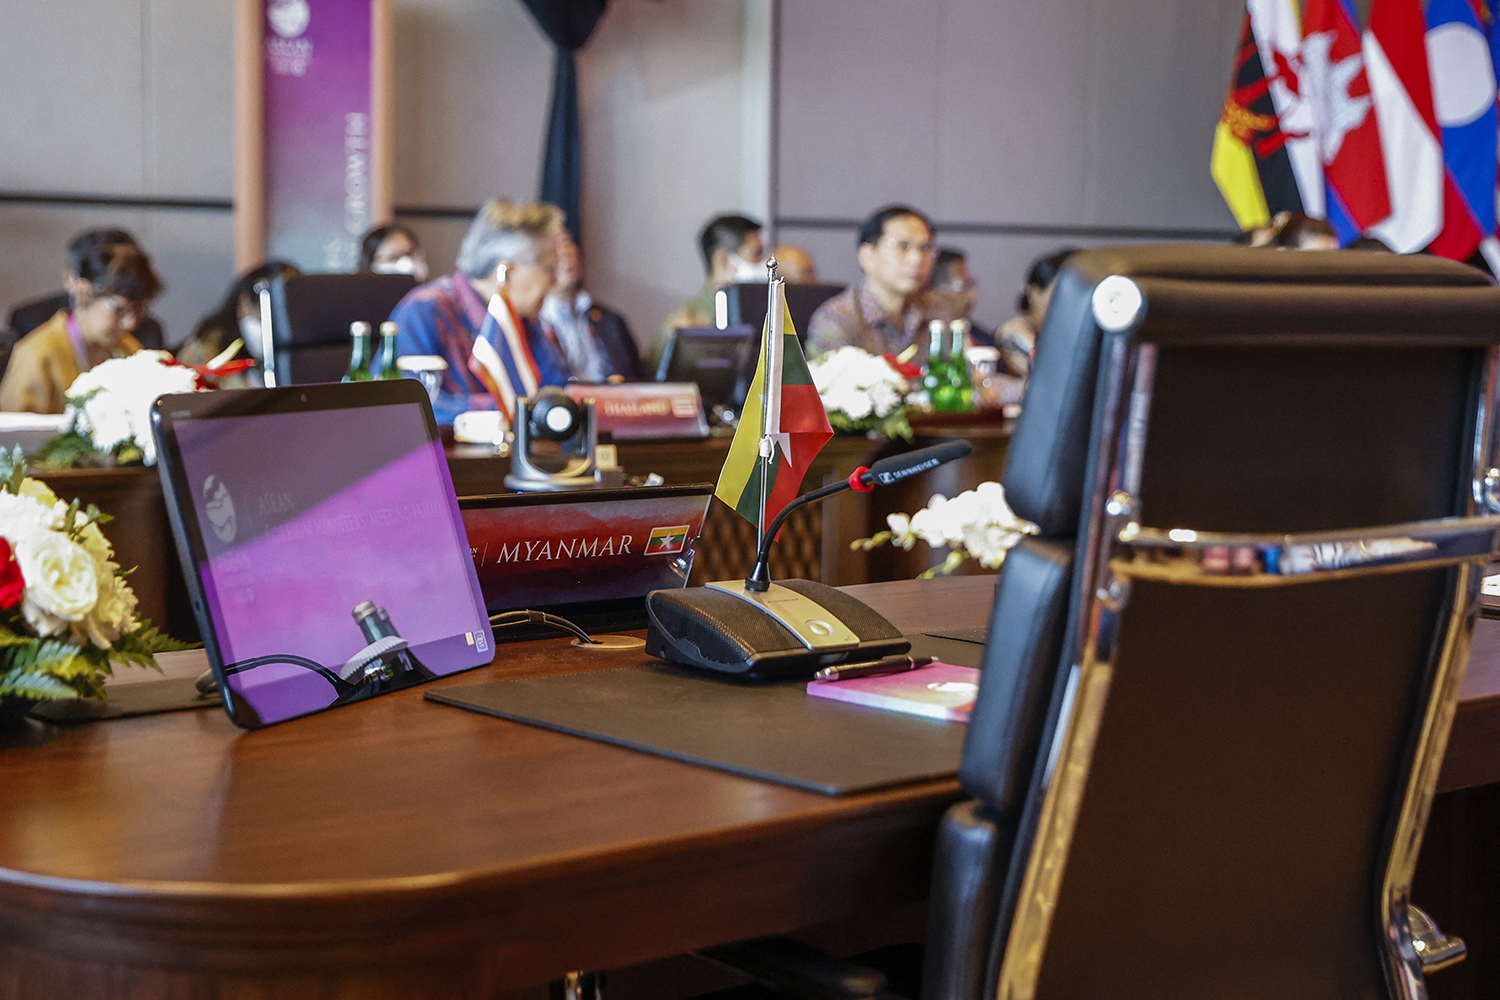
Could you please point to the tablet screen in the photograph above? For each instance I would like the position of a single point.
(332, 560)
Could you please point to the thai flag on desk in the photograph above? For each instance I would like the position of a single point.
(1343, 118)
(1463, 90)
(501, 358)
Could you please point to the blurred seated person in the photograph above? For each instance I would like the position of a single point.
(795, 264)
(1017, 336)
(594, 339)
(238, 316)
(506, 260)
(8, 340)
(887, 310)
(108, 293)
(1302, 232)
(952, 292)
(31, 314)
(392, 249)
(732, 251)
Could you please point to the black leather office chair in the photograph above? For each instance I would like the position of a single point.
(1219, 682)
(310, 316)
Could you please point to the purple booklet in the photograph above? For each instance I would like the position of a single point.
(938, 691)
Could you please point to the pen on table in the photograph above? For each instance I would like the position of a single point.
(889, 665)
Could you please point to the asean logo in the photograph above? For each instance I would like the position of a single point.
(665, 541)
(220, 508)
(289, 18)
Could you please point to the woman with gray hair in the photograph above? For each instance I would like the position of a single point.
(506, 266)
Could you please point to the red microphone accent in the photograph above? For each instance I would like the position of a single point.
(854, 479)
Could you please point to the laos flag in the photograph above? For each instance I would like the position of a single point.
(1463, 92)
(1343, 118)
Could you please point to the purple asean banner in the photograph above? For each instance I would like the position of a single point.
(317, 131)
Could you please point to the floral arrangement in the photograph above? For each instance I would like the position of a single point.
(66, 610)
(108, 417)
(976, 524)
(862, 392)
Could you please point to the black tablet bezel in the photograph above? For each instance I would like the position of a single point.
(182, 513)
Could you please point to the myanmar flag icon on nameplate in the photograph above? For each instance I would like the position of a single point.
(665, 541)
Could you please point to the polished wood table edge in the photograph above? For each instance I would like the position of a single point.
(488, 878)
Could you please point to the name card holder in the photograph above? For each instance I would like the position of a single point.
(631, 412)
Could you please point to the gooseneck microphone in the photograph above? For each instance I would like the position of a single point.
(882, 473)
(763, 630)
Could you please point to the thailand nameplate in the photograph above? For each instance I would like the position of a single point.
(646, 409)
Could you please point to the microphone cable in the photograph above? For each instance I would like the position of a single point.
(510, 619)
(207, 684)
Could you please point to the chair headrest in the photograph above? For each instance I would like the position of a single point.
(314, 309)
(1049, 452)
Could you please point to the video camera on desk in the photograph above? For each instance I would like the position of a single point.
(762, 630)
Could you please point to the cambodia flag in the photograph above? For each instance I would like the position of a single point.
(1343, 117)
(1463, 91)
(1396, 63)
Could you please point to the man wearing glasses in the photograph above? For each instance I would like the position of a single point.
(108, 294)
(887, 310)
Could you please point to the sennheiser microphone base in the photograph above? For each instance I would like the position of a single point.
(795, 628)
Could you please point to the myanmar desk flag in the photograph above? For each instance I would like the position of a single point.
(783, 410)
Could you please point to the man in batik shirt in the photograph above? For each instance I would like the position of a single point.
(886, 311)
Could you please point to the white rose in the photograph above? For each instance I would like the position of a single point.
(23, 516)
(124, 389)
(113, 614)
(857, 405)
(60, 579)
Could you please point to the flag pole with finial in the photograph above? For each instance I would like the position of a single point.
(771, 389)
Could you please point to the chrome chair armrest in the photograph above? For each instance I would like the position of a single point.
(1435, 950)
(1221, 559)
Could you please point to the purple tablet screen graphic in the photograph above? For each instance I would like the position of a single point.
(336, 564)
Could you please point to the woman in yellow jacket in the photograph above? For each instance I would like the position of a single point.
(110, 292)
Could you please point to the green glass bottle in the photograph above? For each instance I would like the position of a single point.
(360, 354)
(385, 360)
(935, 375)
(958, 367)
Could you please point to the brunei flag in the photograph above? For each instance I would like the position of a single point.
(1253, 160)
(783, 418)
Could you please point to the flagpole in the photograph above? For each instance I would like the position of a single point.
(767, 442)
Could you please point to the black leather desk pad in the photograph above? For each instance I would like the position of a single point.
(773, 732)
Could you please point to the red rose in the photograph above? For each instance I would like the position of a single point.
(12, 586)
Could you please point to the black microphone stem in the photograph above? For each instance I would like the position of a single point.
(759, 580)
(884, 472)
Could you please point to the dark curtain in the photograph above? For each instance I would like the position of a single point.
(568, 23)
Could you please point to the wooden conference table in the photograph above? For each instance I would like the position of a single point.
(403, 849)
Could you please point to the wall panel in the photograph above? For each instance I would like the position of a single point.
(858, 88)
(1091, 116)
(71, 96)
